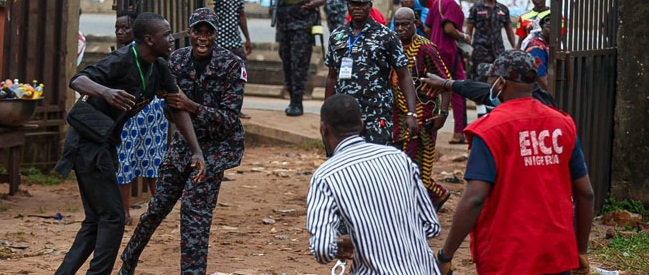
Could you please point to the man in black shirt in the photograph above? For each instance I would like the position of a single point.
(125, 81)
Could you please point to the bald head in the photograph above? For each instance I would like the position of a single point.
(404, 13)
(342, 115)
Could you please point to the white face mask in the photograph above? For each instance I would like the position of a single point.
(494, 99)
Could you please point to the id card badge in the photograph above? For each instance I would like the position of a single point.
(346, 68)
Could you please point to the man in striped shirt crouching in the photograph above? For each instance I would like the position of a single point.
(376, 191)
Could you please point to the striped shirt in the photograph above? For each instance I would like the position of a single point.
(376, 191)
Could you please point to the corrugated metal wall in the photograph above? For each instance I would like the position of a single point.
(584, 70)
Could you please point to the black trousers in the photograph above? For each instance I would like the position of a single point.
(102, 229)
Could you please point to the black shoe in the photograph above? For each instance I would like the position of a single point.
(244, 116)
(126, 269)
(122, 271)
(294, 111)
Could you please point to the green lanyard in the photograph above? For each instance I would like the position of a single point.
(139, 68)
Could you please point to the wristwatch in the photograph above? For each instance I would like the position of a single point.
(443, 113)
(441, 258)
(412, 114)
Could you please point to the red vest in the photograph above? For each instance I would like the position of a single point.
(527, 223)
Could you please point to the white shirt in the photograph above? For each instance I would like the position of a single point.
(377, 192)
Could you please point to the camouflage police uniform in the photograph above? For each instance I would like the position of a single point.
(219, 93)
(336, 11)
(375, 54)
(295, 45)
(487, 37)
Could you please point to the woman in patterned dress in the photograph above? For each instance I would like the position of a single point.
(144, 138)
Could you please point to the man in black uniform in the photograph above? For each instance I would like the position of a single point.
(295, 18)
(125, 81)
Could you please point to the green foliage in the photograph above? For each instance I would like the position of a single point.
(634, 206)
(35, 176)
(3, 207)
(313, 144)
(625, 252)
(16, 236)
(71, 206)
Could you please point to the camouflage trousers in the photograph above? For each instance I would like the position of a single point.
(336, 11)
(295, 48)
(480, 55)
(198, 201)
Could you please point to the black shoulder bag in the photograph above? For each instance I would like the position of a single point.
(94, 125)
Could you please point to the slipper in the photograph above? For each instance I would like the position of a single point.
(244, 116)
(457, 141)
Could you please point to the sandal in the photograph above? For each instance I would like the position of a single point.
(461, 140)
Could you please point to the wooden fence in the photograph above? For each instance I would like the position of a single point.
(35, 47)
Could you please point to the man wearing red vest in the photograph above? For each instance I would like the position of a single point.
(528, 203)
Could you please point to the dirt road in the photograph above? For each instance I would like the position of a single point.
(259, 224)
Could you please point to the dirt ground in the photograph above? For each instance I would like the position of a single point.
(258, 227)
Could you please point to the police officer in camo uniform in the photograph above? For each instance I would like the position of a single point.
(360, 58)
(213, 79)
(487, 18)
(336, 11)
(295, 18)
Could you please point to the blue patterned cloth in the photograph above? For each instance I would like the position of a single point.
(144, 143)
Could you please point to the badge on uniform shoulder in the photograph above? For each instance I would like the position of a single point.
(244, 74)
(340, 44)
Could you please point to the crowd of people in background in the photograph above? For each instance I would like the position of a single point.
(391, 85)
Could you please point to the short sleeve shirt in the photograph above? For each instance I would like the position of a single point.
(119, 70)
(228, 35)
(488, 23)
(374, 55)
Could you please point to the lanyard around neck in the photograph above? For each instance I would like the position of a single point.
(139, 68)
(352, 43)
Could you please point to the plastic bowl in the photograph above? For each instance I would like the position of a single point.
(16, 112)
